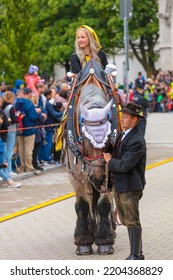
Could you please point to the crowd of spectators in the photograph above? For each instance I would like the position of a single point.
(30, 113)
(158, 90)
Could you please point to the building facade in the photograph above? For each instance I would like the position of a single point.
(166, 34)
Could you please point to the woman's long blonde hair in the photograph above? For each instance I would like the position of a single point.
(9, 97)
(94, 47)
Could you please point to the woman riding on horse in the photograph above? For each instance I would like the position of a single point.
(87, 46)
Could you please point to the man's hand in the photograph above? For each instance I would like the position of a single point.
(38, 110)
(44, 116)
(107, 157)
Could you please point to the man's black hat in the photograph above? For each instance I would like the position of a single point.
(133, 109)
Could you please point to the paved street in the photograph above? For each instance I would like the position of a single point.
(47, 233)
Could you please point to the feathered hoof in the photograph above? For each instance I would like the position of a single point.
(84, 250)
(105, 250)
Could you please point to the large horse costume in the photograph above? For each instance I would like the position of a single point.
(92, 125)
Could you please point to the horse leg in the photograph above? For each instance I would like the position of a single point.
(104, 236)
(84, 238)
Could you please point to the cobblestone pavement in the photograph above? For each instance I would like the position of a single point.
(48, 232)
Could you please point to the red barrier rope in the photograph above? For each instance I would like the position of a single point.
(26, 128)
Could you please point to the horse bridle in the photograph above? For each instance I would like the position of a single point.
(90, 160)
(95, 123)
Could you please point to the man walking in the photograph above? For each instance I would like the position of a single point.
(127, 167)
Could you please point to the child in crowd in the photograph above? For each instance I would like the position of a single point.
(32, 78)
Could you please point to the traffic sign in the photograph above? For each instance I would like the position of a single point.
(126, 8)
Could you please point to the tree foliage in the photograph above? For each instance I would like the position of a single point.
(43, 32)
(143, 29)
(143, 39)
(18, 48)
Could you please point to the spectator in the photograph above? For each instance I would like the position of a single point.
(54, 92)
(39, 136)
(60, 99)
(131, 95)
(27, 138)
(139, 99)
(32, 78)
(41, 98)
(52, 118)
(139, 80)
(19, 84)
(9, 110)
(4, 123)
(3, 89)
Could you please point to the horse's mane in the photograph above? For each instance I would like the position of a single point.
(92, 96)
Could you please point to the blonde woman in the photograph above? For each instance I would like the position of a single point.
(4, 174)
(9, 110)
(87, 46)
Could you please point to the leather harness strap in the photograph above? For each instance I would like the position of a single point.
(116, 101)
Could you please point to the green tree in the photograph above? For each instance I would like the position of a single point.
(143, 29)
(43, 32)
(56, 23)
(18, 47)
(143, 39)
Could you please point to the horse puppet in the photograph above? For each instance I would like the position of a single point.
(92, 124)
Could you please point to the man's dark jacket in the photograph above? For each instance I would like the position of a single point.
(128, 167)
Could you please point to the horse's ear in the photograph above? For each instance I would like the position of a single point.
(83, 111)
(108, 107)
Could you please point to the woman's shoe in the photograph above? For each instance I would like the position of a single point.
(12, 184)
(13, 173)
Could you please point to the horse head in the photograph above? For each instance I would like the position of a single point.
(96, 128)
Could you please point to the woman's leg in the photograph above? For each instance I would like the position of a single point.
(11, 138)
(3, 171)
(4, 175)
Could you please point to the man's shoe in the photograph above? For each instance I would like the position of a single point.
(47, 163)
(132, 257)
(37, 172)
(58, 163)
(39, 168)
(50, 162)
(42, 162)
